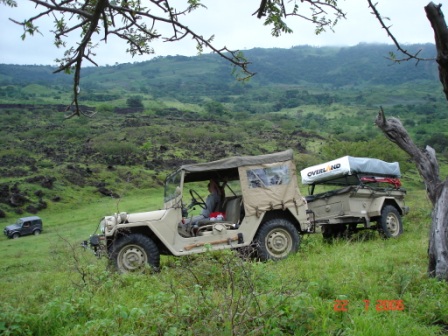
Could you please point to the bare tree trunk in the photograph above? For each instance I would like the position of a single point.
(428, 167)
(437, 20)
(438, 247)
(426, 160)
(438, 255)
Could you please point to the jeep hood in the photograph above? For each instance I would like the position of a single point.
(145, 216)
(12, 227)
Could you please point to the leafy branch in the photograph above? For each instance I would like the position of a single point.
(318, 12)
(129, 20)
(408, 56)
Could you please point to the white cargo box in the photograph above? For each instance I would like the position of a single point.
(349, 165)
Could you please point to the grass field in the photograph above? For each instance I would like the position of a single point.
(364, 286)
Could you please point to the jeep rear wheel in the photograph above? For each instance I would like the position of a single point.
(390, 224)
(276, 239)
(36, 232)
(134, 252)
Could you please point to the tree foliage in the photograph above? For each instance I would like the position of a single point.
(135, 102)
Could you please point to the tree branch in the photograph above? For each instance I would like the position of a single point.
(425, 160)
(276, 10)
(437, 20)
(392, 37)
(128, 21)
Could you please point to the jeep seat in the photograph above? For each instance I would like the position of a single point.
(232, 212)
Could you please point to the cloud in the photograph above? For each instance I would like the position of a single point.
(234, 26)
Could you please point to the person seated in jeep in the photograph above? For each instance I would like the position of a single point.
(211, 204)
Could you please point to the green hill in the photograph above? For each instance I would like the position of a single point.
(191, 109)
(153, 116)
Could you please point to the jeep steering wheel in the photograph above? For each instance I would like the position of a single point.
(195, 197)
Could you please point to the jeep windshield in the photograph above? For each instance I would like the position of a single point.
(172, 183)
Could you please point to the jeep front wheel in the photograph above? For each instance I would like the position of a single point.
(276, 239)
(134, 252)
(390, 224)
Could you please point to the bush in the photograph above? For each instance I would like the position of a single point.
(135, 102)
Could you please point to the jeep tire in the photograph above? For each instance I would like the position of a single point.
(389, 223)
(276, 239)
(134, 252)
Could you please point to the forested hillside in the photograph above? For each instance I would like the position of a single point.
(152, 116)
(149, 118)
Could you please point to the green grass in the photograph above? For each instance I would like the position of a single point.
(50, 286)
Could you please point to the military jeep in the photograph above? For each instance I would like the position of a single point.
(261, 210)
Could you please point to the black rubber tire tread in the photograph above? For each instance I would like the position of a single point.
(333, 231)
(36, 232)
(387, 213)
(144, 243)
(15, 235)
(268, 228)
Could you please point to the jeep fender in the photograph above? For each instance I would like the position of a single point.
(378, 203)
(285, 214)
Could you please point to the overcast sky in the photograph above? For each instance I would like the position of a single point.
(234, 26)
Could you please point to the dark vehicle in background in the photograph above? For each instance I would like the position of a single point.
(23, 227)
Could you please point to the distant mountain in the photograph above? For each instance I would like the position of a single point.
(208, 74)
(361, 64)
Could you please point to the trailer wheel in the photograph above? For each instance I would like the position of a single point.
(389, 223)
(134, 252)
(333, 231)
(276, 239)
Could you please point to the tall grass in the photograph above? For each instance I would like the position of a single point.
(50, 286)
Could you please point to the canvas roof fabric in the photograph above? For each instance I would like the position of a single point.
(269, 186)
(349, 165)
(228, 167)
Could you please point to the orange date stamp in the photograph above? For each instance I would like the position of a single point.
(380, 305)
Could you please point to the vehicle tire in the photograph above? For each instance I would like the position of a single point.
(15, 235)
(327, 233)
(276, 239)
(333, 231)
(36, 232)
(389, 223)
(134, 252)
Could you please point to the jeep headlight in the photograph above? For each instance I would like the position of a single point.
(110, 222)
(103, 225)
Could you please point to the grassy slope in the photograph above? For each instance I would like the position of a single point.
(44, 294)
(51, 287)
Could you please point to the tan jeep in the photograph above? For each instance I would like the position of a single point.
(261, 206)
